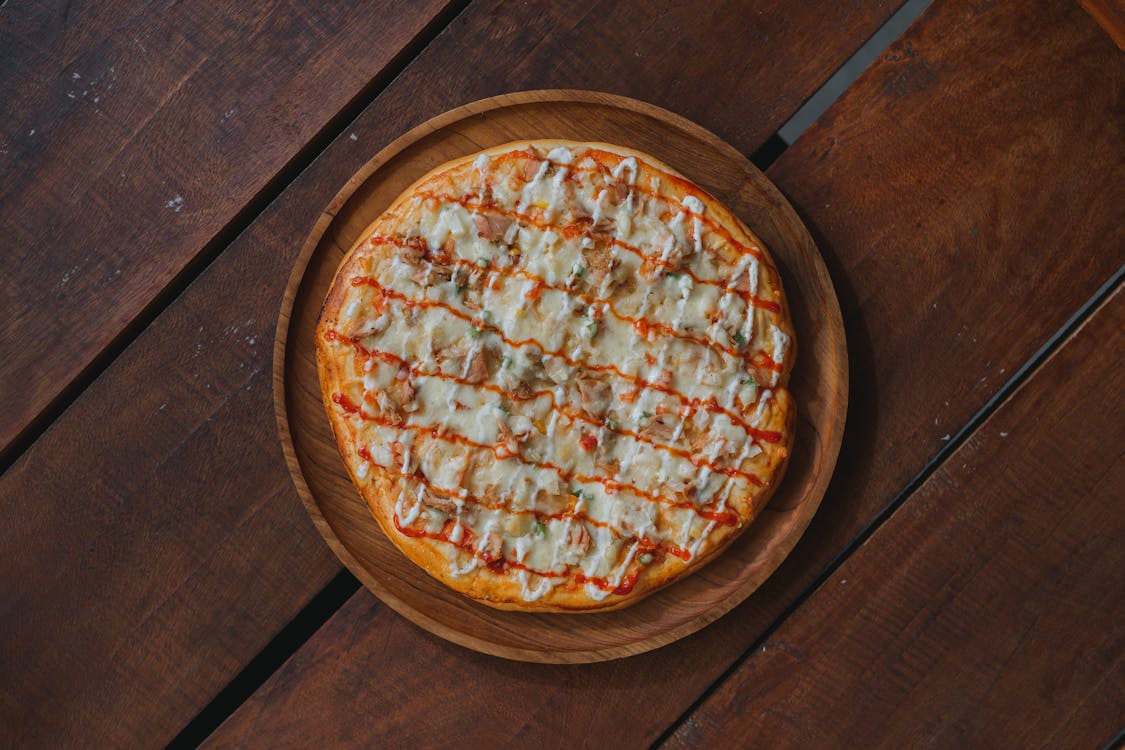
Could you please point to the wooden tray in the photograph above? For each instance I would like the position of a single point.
(819, 383)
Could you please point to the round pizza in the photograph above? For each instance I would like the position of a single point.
(557, 373)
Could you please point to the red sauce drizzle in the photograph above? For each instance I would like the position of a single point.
(346, 404)
(730, 519)
(587, 441)
(500, 564)
(763, 361)
(711, 404)
(641, 325)
(609, 483)
(570, 231)
(600, 157)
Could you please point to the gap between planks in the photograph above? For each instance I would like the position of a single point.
(1117, 742)
(274, 187)
(286, 643)
(1006, 391)
(845, 76)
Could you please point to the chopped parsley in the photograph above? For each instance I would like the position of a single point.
(592, 329)
(505, 361)
(540, 529)
(505, 408)
(646, 415)
(673, 274)
(580, 271)
(611, 424)
(484, 262)
(739, 339)
(645, 558)
(474, 332)
(750, 381)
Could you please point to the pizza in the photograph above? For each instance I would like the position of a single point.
(557, 373)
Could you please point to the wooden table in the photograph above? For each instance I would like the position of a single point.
(962, 584)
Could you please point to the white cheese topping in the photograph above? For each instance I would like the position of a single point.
(556, 367)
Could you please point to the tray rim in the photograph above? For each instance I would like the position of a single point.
(419, 617)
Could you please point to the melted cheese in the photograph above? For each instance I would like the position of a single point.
(577, 365)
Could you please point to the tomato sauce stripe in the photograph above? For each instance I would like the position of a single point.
(711, 404)
(417, 371)
(686, 185)
(571, 231)
(641, 325)
(499, 564)
(724, 518)
(611, 485)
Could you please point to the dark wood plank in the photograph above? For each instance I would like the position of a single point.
(135, 131)
(987, 611)
(156, 544)
(1110, 15)
(944, 297)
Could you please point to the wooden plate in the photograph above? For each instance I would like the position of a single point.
(819, 382)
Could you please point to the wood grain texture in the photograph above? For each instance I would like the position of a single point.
(146, 558)
(1110, 15)
(818, 384)
(982, 227)
(190, 519)
(126, 118)
(986, 612)
(135, 131)
(906, 226)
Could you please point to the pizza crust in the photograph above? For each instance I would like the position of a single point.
(499, 585)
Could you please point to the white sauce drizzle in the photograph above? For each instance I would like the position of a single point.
(597, 593)
(545, 584)
(761, 410)
(627, 165)
(546, 253)
(561, 155)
